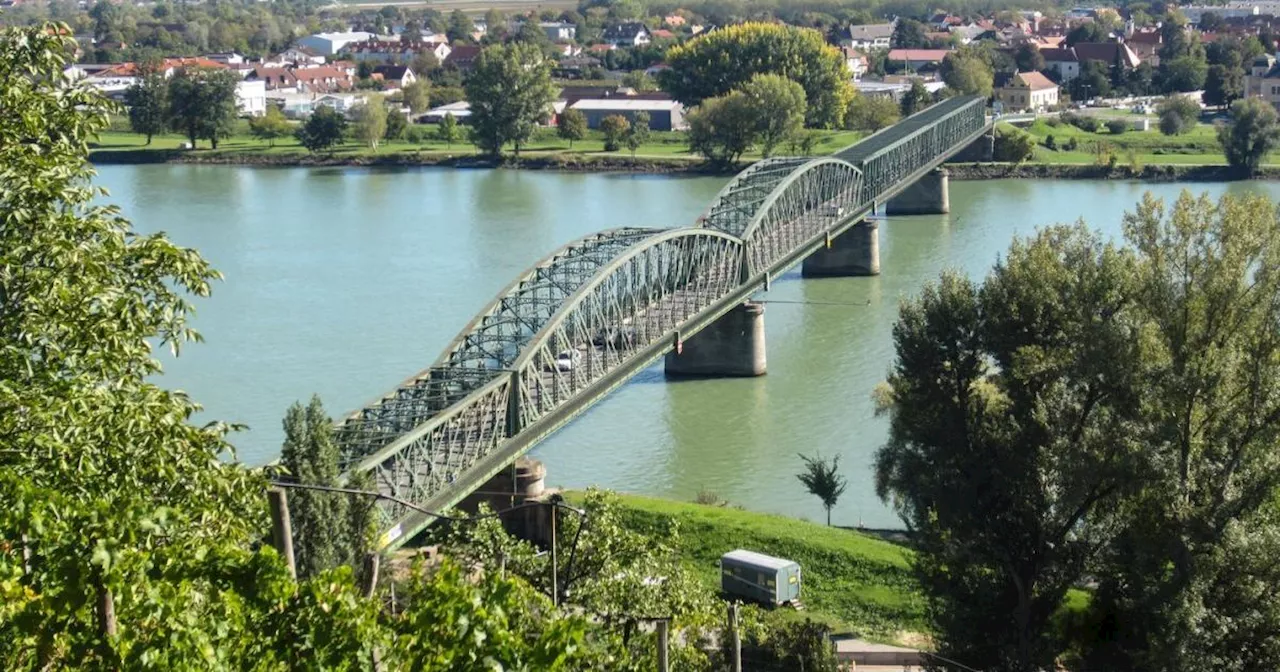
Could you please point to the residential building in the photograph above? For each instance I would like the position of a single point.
(1111, 53)
(228, 58)
(329, 44)
(915, 59)
(894, 87)
(401, 75)
(1146, 45)
(1254, 80)
(869, 36)
(1025, 91)
(323, 79)
(342, 103)
(460, 111)
(1062, 61)
(559, 31)
(274, 79)
(856, 61)
(673, 20)
(380, 51)
(630, 34)
(664, 115)
(463, 56)
(251, 98)
(299, 56)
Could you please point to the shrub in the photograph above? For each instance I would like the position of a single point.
(1178, 114)
(1085, 123)
(1071, 144)
(1117, 126)
(416, 134)
(1049, 142)
(1053, 122)
(1013, 145)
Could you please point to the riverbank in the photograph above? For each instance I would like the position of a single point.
(1070, 171)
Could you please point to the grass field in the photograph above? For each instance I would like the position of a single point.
(662, 146)
(1151, 148)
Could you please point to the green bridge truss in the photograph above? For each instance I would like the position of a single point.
(620, 299)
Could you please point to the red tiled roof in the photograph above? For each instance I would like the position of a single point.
(663, 33)
(1145, 37)
(1036, 81)
(463, 53)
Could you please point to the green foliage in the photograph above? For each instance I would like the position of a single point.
(460, 27)
(823, 480)
(397, 124)
(717, 63)
(637, 133)
(780, 109)
(1117, 126)
(1027, 58)
(370, 121)
(1178, 114)
(871, 113)
(722, 129)
(803, 645)
(1252, 132)
(148, 103)
(915, 99)
(324, 129)
(271, 126)
(1094, 81)
(573, 125)
(1084, 122)
(447, 130)
(1007, 500)
(1185, 73)
(1223, 85)
(614, 128)
(966, 72)
(1013, 145)
(909, 34)
(418, 96)
(202, 104)
(510, 92)
(640, 81)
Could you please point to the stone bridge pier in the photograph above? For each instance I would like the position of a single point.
(930, 195)
(853, 253)
(732, 346)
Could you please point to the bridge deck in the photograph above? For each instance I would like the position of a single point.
(599, 310)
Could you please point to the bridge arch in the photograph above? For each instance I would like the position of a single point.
(737, 202)
(639, 299)
(813, 197)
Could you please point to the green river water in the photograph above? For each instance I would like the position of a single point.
(342, 282)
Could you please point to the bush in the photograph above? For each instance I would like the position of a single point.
(1013, 145)
(1085, 123)
(1117, 126)
(1071, 144)
(1049, 142)
(416, 134)
(1178, 114)
(1053, 122)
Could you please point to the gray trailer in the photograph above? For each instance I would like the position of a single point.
(759, 577)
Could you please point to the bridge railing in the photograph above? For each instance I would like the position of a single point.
(897, 152)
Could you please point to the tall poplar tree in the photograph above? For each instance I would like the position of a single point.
(510, 92)
(319, 519)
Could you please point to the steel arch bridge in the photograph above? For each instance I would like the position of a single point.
(620, 299)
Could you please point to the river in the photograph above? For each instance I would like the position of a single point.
(342, 282)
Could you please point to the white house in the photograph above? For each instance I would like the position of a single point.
(559, 31)
(329, 44)
(869, 36)
(631, 34)
(460, 111)
(251, 98)
(297, 56)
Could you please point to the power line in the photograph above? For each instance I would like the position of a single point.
(406, 503)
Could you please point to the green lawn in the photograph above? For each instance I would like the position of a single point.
(662, 145)
(853, 581)
(1196, 147)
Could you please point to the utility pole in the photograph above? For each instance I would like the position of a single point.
(555, 578)
(664, 663)
(281, 529)
(735, 639)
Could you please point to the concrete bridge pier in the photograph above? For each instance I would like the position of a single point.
(732, 346)
(855, 252)
(928, 196)
(519, 483)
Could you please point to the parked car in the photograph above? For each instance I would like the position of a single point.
(568, 360)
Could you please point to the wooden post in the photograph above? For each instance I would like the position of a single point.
(664, 665)
(281, 529)
(735, 639)
(371, 563)
(555, 572)
(106, 609)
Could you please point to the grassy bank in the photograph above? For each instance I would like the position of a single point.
(853, 581)
(1135, 149)
(664, 151)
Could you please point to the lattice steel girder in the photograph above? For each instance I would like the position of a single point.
(737, 202)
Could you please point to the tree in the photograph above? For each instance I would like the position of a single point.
(614, 128)
(915, 99)
(722, 128)
(1012, 145)
(871, 113)
(639, 80)
(424, 64)
(271, 126)
(967, 73)
(909, 34)
(460, 27)
(638, 133)
(1086, 32)
(148, 103)
(397, 124)
(1093, 81)
(417, 96)
(1222, 85)
(510, 92)
(1178, 114)
(1185, 73)
(573, 125)
(1250, 135)
(1027, 58)
(780, 109)
(823, 480)
(370, 121)
(319, 519)
(1006, 499)
(1201, 535)
(325, 128)
(447, 130)
(202, 104)
(727, 58)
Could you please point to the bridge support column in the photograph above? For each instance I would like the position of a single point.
(852, 253)
(928, 196)
(732, 346)
(520, 482)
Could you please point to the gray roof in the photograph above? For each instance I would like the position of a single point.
(871, 31)
(757, 559)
